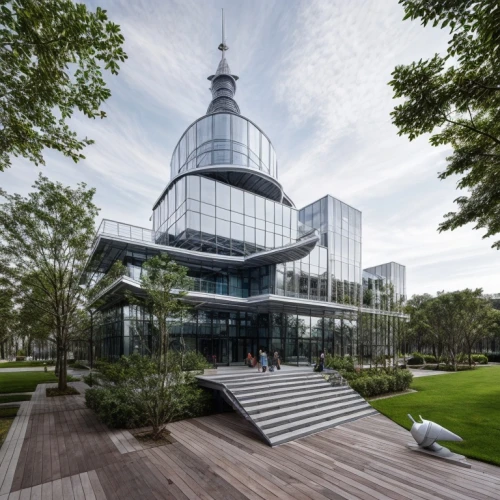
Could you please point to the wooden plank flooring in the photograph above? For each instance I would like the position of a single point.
(58, 449)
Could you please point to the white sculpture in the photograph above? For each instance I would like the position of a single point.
(426, 433)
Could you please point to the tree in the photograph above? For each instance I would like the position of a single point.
(417, 329)
(164, 283)
(457, 97)
(8, 318)
(479, 319)
(162, 390)
(52, 55)
(44, 239)
(459, 320)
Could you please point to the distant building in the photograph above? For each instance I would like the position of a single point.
(265, 273)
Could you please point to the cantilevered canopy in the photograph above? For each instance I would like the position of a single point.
(109, 248)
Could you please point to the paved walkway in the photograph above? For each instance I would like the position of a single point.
(57, 449)
(428, 373)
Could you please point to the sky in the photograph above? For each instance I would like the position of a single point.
(314, 76)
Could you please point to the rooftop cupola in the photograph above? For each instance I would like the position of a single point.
(223, 83)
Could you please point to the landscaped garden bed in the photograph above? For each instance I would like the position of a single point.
(373, 381)
(54, 391)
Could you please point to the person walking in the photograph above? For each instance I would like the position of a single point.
(259, 360)
(263, 360)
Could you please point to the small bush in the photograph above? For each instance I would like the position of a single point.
(114, 407)
(342, 364)
(370, 383)
(480, 359)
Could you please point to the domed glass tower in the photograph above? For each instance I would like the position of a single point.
(265, 274)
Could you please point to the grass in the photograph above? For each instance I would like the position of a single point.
(14, 398)
(467, 403)
(25, 364)
(24, 381)
(7, 416)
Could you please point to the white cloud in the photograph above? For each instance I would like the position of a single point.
(313, 75)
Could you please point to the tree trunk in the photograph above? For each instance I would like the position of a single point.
(63, 379)
(58, 358)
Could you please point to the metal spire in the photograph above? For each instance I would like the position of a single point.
(223, 85)
(223, 47)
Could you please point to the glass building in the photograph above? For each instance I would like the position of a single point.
(265, 274)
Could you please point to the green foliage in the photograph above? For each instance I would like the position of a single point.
(116, 408)
(14, 398)
(467, 403)
(133, 393)
(370, 383)
(493, 357)
(44, 239)
(456, 96)
(454, 323)
(52, 56)
(420, 359)
(339, 363)
(189, 360)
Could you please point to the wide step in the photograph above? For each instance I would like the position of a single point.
(289, 405)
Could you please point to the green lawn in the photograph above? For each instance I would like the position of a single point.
(6, 418)
(467, 403)
(15, 398)
(24, 364)
(24, 381)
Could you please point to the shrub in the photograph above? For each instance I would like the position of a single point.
(115, 407)
(136, 392)
(480, 359)
(339, 363)
(369, 383)
(189, 360)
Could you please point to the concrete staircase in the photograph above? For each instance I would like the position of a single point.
(288, 405)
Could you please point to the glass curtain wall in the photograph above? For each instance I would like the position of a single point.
(340, 229)
(202, 214)
(228, 336)
(224, 138)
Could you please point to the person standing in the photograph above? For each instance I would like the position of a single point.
(263, 360)
(259, 360)
(321, 360)
(276, 360)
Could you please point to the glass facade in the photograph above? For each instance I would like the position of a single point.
(340, 231)
(198, 213)
(224, 139)
(384, 287)
(237, 208)
(230, 335)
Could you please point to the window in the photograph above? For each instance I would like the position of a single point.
(193, 187)
(269, 211)
(278, 214)
(222, 126)
(240, 130)
(223, 228)
(236, 200)
(207, 225)
(265, 153)
(254, 143)
(260, 211)
(207, 191)
(223, 195)
(249, 204)
(204, 130)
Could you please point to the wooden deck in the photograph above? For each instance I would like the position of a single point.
(57, 449)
